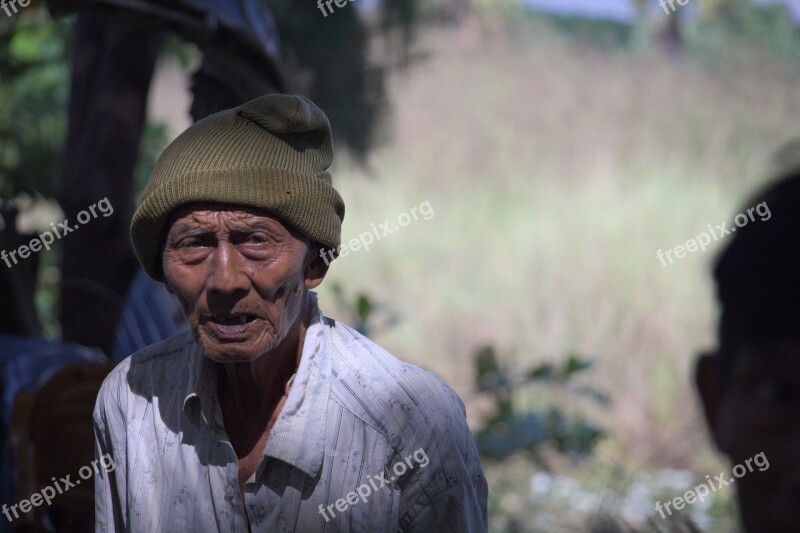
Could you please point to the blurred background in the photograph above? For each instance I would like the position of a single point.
(557, 144)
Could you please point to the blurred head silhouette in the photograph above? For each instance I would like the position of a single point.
(750, 386)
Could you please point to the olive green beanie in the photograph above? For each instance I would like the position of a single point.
(271, 153)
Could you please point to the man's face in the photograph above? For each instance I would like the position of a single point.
(240, 276)
(757, 409)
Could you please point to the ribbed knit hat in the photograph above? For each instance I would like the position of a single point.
(271, 153)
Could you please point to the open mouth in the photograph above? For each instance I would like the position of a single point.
(232, 326)
(232, 320)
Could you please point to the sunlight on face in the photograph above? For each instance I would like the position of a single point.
(238, 274)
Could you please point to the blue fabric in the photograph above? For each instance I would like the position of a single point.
(26, 362)
(151, 315)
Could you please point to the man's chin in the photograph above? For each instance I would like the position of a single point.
(223, 351)
(230, 357)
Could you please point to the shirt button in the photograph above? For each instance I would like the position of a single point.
(228, 493)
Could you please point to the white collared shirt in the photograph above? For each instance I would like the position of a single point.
(363, 443)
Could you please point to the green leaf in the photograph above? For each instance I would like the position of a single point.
(36, 44)
(543, 372)
(486, 362)
(488, 372)
(593, 394)
(575, 364)
(364, 306)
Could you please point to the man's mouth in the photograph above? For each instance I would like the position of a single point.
(232, 320)
(231, 326)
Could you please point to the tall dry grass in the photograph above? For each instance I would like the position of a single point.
(556, 171)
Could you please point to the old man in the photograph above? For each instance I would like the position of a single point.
(267, 415)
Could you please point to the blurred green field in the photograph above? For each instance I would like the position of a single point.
(556, 171)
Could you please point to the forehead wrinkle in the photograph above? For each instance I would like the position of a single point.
(233, 219)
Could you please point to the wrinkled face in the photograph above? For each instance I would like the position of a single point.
(757, 409)
(241, 277)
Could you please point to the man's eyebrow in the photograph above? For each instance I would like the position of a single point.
(186, 231)
(257, 226)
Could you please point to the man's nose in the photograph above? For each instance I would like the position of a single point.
(227, 275)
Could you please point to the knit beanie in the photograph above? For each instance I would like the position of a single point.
(271, 153)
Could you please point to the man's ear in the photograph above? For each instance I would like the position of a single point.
(316, 267)
(708, 380)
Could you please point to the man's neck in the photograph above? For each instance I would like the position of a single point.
(257, 386)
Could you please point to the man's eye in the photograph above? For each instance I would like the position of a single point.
(250, 238)
(194, 242)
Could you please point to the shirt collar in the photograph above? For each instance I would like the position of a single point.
(201, 389)
(298, 435)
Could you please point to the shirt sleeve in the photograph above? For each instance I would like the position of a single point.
(110, 452)
(449, 494)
